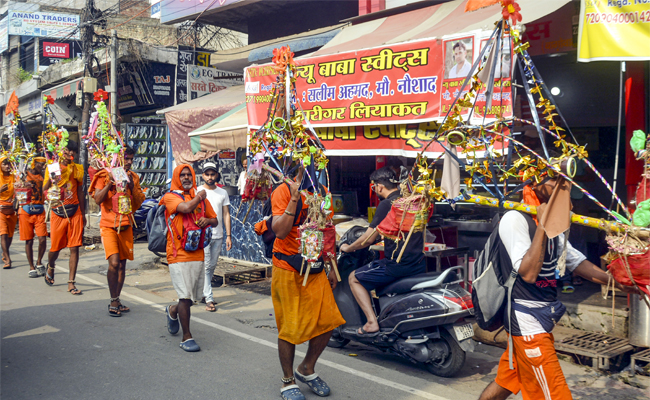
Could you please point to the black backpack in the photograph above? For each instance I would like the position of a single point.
(494, 279)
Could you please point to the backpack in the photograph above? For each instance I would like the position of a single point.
(156, 227)
(494, 279)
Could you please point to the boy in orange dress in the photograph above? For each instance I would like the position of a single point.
(32, 218)
(68, 217)
(8, 216)
(116, 230)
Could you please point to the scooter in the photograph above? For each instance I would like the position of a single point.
(421, 317)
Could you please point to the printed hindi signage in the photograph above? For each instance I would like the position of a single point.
(614, 30)
(408, 83)
(206, 80)
(43, 24)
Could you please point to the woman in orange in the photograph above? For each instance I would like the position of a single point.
(7, 213)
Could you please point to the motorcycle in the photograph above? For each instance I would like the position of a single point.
(421, 317)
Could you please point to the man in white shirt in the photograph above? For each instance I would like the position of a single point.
(220, 202)
(241, 183)
(462, 67)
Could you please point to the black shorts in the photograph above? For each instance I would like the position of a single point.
(374, 275)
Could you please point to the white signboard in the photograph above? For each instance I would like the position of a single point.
(206, 80)
(43, 24)
(4, 36)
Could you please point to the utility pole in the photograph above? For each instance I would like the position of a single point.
(87, 36)
(114, 77)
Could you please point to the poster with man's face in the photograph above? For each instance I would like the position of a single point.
(459, 57)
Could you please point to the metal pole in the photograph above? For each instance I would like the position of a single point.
(618, 133)
(114, 77)
(87, 36)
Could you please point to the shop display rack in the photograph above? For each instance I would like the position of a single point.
(150, 144)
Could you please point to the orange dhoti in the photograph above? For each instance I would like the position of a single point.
(30, 223)
(303, 312)
(66, 232)
(537, 372)
(8, 224)
(118, 243)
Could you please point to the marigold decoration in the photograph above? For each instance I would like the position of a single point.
(511, 11)
(100, 95)
(48, 99)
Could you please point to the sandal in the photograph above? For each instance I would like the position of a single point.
(114, 311)
(568, 289)
(33, 273)
(74, 290)
(315, 383)
(577, 281)
(49, 279)
(210, 307)
(291, 392)
(122, 308)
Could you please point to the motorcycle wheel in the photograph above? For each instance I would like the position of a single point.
(337, 342)
(453, 363)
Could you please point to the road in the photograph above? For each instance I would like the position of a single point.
(59, 346)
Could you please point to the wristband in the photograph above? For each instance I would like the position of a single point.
(288, 213)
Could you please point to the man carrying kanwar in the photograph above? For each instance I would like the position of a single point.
(65, 190)
(115, 226)
(191, 219)
(535, 369)
(7, 213)
(32, 217)
(302, 313)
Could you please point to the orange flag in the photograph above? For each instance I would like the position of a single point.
(12, 104)
(473, 5)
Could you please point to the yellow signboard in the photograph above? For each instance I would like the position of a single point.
(617, 30)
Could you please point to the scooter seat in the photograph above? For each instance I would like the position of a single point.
(428, 279)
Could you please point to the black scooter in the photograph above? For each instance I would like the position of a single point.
(421, 317)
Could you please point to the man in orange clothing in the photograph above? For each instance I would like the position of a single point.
(302, 313)
(32, 218)
(7, 213)
(116, 229)
(190, 216)
(68, 218)
(536, 371)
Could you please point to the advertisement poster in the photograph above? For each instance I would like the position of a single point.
(206, 80)
(4, 36)
(53, 51)
(614, 30)
(43, 24)
(145, 85)
(188, 56)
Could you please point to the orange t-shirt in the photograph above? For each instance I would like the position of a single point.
(171, 201)
(72, 176)
(35, 181)
(290, 245)
(7, 197)
(109, 218)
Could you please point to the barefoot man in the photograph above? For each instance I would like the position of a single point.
(116, 229)
(7, 214)
(68, 219)
(32, 218)
(188, 214)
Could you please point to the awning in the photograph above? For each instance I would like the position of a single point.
(227, 132)
(63, 90)
(234, 94)
(430, 22)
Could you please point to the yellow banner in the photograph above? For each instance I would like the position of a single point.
(617, 30)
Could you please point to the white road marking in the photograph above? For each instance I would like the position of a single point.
(36, 331)
(331, 364)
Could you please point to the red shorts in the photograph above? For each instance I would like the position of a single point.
(30, 223)
(536, 372)
(8, 224)
(66, 232)
(118, 243)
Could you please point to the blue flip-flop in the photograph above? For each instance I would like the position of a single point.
(172, 324)
(190, 345)
(291, 392)
(315, 383)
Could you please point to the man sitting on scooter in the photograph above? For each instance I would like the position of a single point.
(380, 273)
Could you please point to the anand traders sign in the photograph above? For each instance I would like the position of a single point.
(43, 24)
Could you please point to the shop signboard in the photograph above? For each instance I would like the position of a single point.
(43, 24)
(54, 51)
(614, 30)
(4, 36)
(145, 85)
(188, 56)
(206, 80)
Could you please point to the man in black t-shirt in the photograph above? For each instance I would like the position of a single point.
(380, 273)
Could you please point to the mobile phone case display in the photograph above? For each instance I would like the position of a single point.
(150, 144)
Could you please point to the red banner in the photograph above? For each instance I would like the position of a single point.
(407, 83)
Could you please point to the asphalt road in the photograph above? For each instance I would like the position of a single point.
(59, 346)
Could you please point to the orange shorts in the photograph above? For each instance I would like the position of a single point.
(118, 243)
(536, 372)
(66, 232)
(8, 224)
(30, 223)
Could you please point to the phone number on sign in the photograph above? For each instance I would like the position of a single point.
(618, 18)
